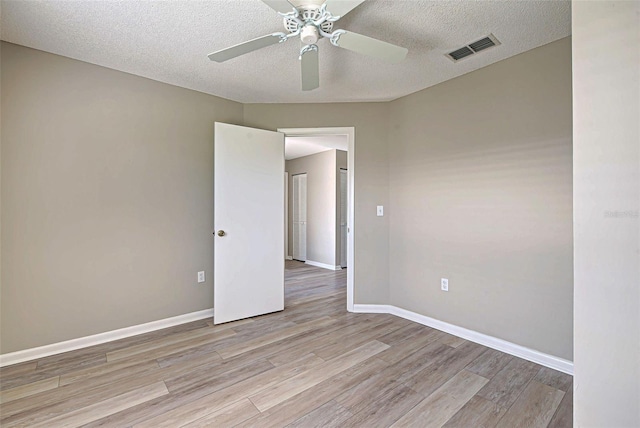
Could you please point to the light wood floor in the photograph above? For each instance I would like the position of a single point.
(313, 365)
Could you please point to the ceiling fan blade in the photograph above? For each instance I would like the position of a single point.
(369, 46)
(341, 7)
(282, 6)
(246, 47)
(310, 69)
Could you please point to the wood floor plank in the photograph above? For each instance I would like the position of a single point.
(563, 418)
(489, 363)
(208, 385)
(298, 346)
(290, 387)
(107, 407)
(66, 365)
(408, 332)
(354, 340)
(508, 383)
(281, 352)
(261, 327)
(478, 412)
(402, 349)
(364, 393)
(164, 341)
(444, 368)
(451, 340)
(329, 415)
(439, 407)
(161, 347)
(69, 361)
(290, 348)
(267, 339)
(29, 389)
(214, 372)
(17, 370)
(197, 353)
(312, 398)
(78, 394)
(115, 370)
(227, 417)
(227, 396)
(534, 408)
(14, 381)
(554, 379)
(367, 392)
(52, 403)
(386, 409)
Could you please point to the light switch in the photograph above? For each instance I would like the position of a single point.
(380, 211)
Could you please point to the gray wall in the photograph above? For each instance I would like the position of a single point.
(321, 204)
(371, 181)
(480, 184)
(107, 209)
(606, 98)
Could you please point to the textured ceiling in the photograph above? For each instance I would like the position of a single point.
(169, 41)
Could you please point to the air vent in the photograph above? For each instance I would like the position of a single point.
(482, 44)
(472, 48)
(461, 53)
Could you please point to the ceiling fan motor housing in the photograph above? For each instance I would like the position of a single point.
(309, 34)
(306, 16)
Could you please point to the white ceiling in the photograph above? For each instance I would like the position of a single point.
(297, 147)
(169, 41)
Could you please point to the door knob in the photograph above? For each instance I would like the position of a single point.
(221, 233)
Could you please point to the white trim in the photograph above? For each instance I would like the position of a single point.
(350, 132)
(289, 258)
(96, 339)
(323, 265)
(286, 215)
(372, 309)
(529, 354)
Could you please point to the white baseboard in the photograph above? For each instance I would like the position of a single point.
(96, 339)
(323, 265)
(529, 354)
(289, 258)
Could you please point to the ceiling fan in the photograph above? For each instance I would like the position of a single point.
(313, 20)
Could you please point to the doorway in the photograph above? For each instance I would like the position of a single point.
(344, 225)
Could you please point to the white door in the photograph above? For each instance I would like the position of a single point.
(344, 206)
(299, 196)
(249, 222)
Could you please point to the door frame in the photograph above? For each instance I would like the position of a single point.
(350, 133)
(346, 171)
(286, 216)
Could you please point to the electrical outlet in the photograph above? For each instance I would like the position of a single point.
(444, 284)
(201, 276)
(380, 211)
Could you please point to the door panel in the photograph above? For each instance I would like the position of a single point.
(300, 217)
(344, 206)
(248, 197)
